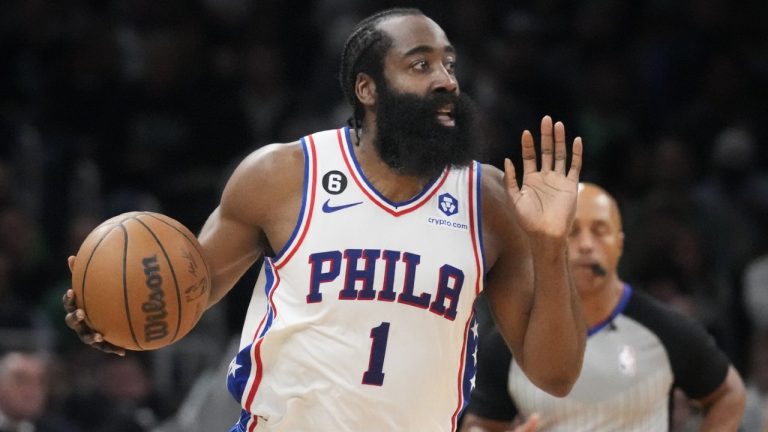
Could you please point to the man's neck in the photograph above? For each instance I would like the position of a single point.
(600, 305)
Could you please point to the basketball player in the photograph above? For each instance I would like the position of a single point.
(638, 350)
(377, 239)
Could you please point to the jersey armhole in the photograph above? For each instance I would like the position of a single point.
(307, 203)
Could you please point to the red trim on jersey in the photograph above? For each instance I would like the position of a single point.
(253, 423)
(272, 293)
(256, 360)
(306, 221)
(256, 350)
(409, 207)
(258, 329)
(460, 379)
(473, 213)
(272, 308)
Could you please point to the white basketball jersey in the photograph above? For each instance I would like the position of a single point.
(368, 323)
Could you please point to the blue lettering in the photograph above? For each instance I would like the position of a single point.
(366, 275)
(387, 292)
(447, 274)
(360, 276)
(407, 296)
(317, 276)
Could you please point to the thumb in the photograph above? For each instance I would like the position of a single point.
(510, 179)
(71, 262)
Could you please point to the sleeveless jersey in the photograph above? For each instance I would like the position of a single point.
(364, 320)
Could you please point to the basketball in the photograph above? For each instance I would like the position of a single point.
(142, 280)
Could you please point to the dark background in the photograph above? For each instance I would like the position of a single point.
(111, 106)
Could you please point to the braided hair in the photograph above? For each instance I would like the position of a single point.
(364, 53)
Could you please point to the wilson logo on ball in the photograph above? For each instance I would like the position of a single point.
(155, 324)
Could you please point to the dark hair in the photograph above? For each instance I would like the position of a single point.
(364, 52)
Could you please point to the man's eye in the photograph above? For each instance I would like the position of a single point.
(450, 66)
(421, 65)
(600, 230)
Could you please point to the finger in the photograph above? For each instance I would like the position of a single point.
(109, 348)
(90, 337)
(69, 301)
(74, 319)
(510, 178)
(529, 153)
(576, 158)
(546, 144)
(71, 262)
(560, 153)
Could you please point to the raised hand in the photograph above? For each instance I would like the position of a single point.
(546, 202)
(75, 320)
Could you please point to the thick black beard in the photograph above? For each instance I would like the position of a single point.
(412, 141)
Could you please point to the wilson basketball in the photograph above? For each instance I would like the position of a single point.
(142, 280)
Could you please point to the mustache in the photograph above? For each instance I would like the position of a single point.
(439, 99)
(598, 270)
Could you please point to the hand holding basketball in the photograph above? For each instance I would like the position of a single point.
(139, 282)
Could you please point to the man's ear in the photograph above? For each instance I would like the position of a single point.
(365, 89)
(621, 243)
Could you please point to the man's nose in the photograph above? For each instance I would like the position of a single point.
(445, 81)
(585, 242)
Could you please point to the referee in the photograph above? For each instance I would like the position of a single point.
(638, 351)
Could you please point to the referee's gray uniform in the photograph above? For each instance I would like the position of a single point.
(632, 362)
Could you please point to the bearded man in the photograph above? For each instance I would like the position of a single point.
(377, 239)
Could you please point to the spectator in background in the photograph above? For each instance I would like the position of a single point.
(24, 391)
(117, 396)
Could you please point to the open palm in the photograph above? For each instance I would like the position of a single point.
(546, 202)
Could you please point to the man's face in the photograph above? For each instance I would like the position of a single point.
(423, 122)
(23, 389)
(596, 239)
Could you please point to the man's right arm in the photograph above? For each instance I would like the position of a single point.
(258, 207)
(259, 204)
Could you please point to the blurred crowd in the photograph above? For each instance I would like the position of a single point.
(119, 105)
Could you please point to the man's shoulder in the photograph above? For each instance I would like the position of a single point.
(666, 322)
(274, 157)
(280, 154)
(492, 180)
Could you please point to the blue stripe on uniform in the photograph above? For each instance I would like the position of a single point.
(469, 363)
(305, 193)
(479, 215)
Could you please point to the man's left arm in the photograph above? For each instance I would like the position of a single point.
(724, 407)
(530, 291)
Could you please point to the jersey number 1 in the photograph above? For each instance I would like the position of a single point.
(374, 375)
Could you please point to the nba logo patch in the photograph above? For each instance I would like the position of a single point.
(627, 360)
(447, 204)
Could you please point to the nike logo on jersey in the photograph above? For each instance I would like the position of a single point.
(328, 208)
